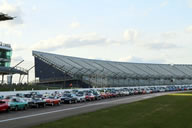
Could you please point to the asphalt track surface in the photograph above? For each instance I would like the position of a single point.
(31, 117)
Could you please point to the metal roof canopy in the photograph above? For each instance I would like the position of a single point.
(11, 70)
(90, 67)
(4, 17)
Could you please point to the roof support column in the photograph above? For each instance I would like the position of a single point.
(2, 81)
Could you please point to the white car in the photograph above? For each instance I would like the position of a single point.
(80, 97)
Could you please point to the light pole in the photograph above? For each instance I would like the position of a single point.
(28, 74)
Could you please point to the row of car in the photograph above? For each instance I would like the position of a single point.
(24, 101)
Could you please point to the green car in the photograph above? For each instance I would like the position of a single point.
(17, 104)
(1, 97)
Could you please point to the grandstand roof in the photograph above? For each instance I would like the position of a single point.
(81, 66)
(12, 70)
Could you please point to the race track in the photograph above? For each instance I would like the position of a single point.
(31, 117)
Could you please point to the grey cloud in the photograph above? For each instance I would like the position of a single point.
(169, 34)
(130, 34)
(161, 46)
(71, 41)
(189, 3)
(188, 29)
(135, 59)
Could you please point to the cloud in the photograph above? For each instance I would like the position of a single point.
(189, 3)
(161, 45)
(17, 59)
(135, 59)
(130, 34)
(75, 25)
(163, 4)
(34, 8)
(189, 29)
(148, 11)
(127, 59)
(169, 34)
(18, 48)
(11, 10)
(71, 41)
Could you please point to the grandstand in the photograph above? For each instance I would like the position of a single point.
(65, 70)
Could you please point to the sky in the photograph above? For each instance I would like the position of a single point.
(144, 31)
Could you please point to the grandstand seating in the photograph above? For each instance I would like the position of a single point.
(111, 73)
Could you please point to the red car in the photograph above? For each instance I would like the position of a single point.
(7, 99)
(4, 106)
(109, 95)
(136, 92)
(104, 95)
(89, 97)
(52, 101)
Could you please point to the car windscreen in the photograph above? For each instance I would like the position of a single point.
(2, 102)
(8, 97)
(36, 99)
(51, 97)
(67, 95)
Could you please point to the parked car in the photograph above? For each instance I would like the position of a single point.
(52, 101)
(114, 93)
(1, 97)
(4, 106)
(97, 95)
(37, 102)
(26, 97)
(69, 98)
(148, 91)
(126, 92)
(17, 104)
(104, 95)
(8, 98)
(89, 97)
(35, 94)
(80, 97)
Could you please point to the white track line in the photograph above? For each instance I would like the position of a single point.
(67, 109)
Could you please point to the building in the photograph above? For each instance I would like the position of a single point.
(5, 58)
(53, 69)
(5, 54)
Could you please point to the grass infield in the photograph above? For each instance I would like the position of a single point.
(161, 112)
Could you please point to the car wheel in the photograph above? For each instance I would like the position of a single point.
(44, 105)
(8, 110)
(16, 108)
(25, 107)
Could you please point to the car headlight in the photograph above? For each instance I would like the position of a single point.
(9, 104)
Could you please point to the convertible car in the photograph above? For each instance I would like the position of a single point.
(52, 101)
(17, 104)
(4, 106)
